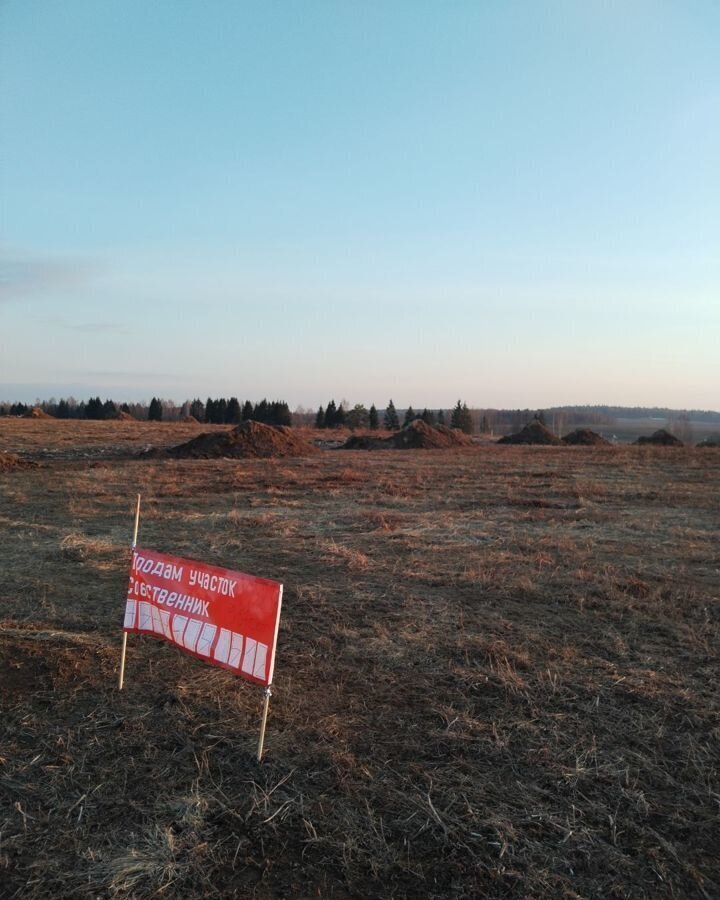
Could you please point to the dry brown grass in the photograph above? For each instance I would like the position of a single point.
(497, 675)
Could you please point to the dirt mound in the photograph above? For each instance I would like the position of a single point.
(251, 439)
(122, 416)
(189, 420)
(533, 433)
(364, 442)
(418, 435)
(661, 438)
(37, 413)
(585, 437)
(9, 463)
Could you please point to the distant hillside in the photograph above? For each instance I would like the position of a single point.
(641, 412)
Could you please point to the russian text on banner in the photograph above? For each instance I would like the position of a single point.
(227, 618)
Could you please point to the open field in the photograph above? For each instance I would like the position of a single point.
(497, 674)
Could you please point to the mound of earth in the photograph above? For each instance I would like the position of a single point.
(250, 439)
(364, 442)
(122, 416)
(533, 433)
(585, 437)
(660, 438)
(37, 413)
(190, 420)
(10, 462)
(418, 435)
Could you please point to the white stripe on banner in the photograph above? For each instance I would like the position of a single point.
(207, 636)
(235, 653)
(222, 648)
(249, 657)
(129, 614)
(156, 620)
(165, 619)
(178, 627)
(145, 616)
(191, 633)
(260, 659)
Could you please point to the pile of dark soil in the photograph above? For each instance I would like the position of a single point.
(9, 462)
(418, 435)
(190, 420)
(585, 437)
(37, 413)
(533, 433)
(661, 438)
(364, 442)
(250, 439)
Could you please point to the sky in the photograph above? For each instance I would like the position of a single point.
(513, 203)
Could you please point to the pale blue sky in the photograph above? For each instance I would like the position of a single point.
(514, 203)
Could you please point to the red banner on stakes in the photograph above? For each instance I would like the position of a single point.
(226, 618)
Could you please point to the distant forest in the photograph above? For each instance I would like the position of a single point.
(231, 411)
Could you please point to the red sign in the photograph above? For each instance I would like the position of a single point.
(226, 618)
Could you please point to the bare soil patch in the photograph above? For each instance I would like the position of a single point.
(533, 433)
(585, 437)
(248, 440)
(418, 435)
(660, 438)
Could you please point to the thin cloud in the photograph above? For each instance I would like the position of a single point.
(23, 276)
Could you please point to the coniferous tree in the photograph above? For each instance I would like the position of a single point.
(233, 411)
(63, 410)
(320, 418)
(462, 418)
(109, 410)
(484, 425)
(331, 415)
(340, 416)
(209, 409)
(247, 411)
(392, 423)
(373, 420)
(197, 409)
(428, 416)
(155, 412)
(409, 416)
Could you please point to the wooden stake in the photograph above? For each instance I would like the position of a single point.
(121, 677)
(263, 723)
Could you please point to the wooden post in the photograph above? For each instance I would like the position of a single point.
(263, 723)
(121, 677)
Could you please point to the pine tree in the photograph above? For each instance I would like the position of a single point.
(340, 416)
(109, 410)
(441, 417)
(331, 415)
(409, 416)
(233, 411)
(462, 418)
(391, 421)
(247, 411)
(197, 409)
(63, 410)
(209, 409)
(155, 411)
(320, 418)
(428, 416)
(373, 420)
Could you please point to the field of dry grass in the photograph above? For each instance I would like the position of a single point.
(497, 674)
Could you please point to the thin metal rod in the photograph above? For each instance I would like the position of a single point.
(263, 723)
(121, 677)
